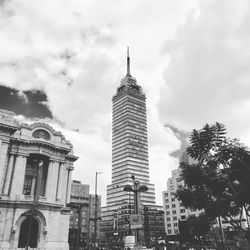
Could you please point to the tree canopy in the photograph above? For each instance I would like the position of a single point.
(218, 180)
(193, 230)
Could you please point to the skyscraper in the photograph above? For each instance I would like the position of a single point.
(129, 145)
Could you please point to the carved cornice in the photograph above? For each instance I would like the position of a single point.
(8, 127)
(29, 205)
(39, 142)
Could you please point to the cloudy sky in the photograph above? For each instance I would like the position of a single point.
(61, 61)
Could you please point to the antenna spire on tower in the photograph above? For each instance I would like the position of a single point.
(128, 62)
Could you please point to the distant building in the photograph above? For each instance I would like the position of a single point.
(36, 163)
(154, 229)
(83, 214)
(129, 155)
(173, 208)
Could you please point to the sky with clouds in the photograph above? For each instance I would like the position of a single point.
(62, 61)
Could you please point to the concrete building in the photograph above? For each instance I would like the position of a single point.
(129, 153)
(83, 214)
(36, 163)
(154, 229)
(173, 208)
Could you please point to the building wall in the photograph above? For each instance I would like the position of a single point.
(80, 197)
(173, 208)
(19, 144)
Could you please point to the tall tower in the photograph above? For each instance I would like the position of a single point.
(129, 142)
(129, 145)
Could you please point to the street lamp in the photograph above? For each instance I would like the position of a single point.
(95, 227)
(136, 189)
(39, 165)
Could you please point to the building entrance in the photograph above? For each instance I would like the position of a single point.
(28, 225)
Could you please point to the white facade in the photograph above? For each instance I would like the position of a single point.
(36, 163)
(173, 208)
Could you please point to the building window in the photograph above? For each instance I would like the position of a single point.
(183, 217)
(168, 219)
(175, 224)
(41, 133)
(174, 218)
(173, 205)
(167, 213)
(182, 210)
(35, 175)
(169, 225)
(174, 211)
(167, 206)
(173, 199)
(169, 231)
(166, 200)
(27, 185)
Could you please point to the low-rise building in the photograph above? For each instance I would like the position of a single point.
(83, 216)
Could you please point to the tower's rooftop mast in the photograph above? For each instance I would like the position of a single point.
(128, 63)
(128, 79)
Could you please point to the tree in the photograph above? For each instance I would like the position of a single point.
(194, 229)
(218, 182)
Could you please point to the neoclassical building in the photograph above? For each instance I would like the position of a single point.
(36, 163)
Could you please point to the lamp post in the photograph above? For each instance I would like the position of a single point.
(136, 189)
(39, 165)
(95, 220)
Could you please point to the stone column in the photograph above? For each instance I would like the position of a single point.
(17, 182)
(52, 179)
(49, 182)
(59, 182)
(3, 162)
(64, 183)
(69, 186)
(9, 170)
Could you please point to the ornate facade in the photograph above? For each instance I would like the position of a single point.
(36, 163)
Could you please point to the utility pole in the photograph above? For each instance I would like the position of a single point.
(96, 218)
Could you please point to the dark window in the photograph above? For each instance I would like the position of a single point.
(40, 133)
(36, 169)
(27, 184)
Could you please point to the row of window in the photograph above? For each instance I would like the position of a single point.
(174, 218)
(173, 206)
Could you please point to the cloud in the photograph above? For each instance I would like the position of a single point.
(74, 53)
(32, 104)
(207, 78)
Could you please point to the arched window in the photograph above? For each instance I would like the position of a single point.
(28, 233)
(41, 133)
(36, 175)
